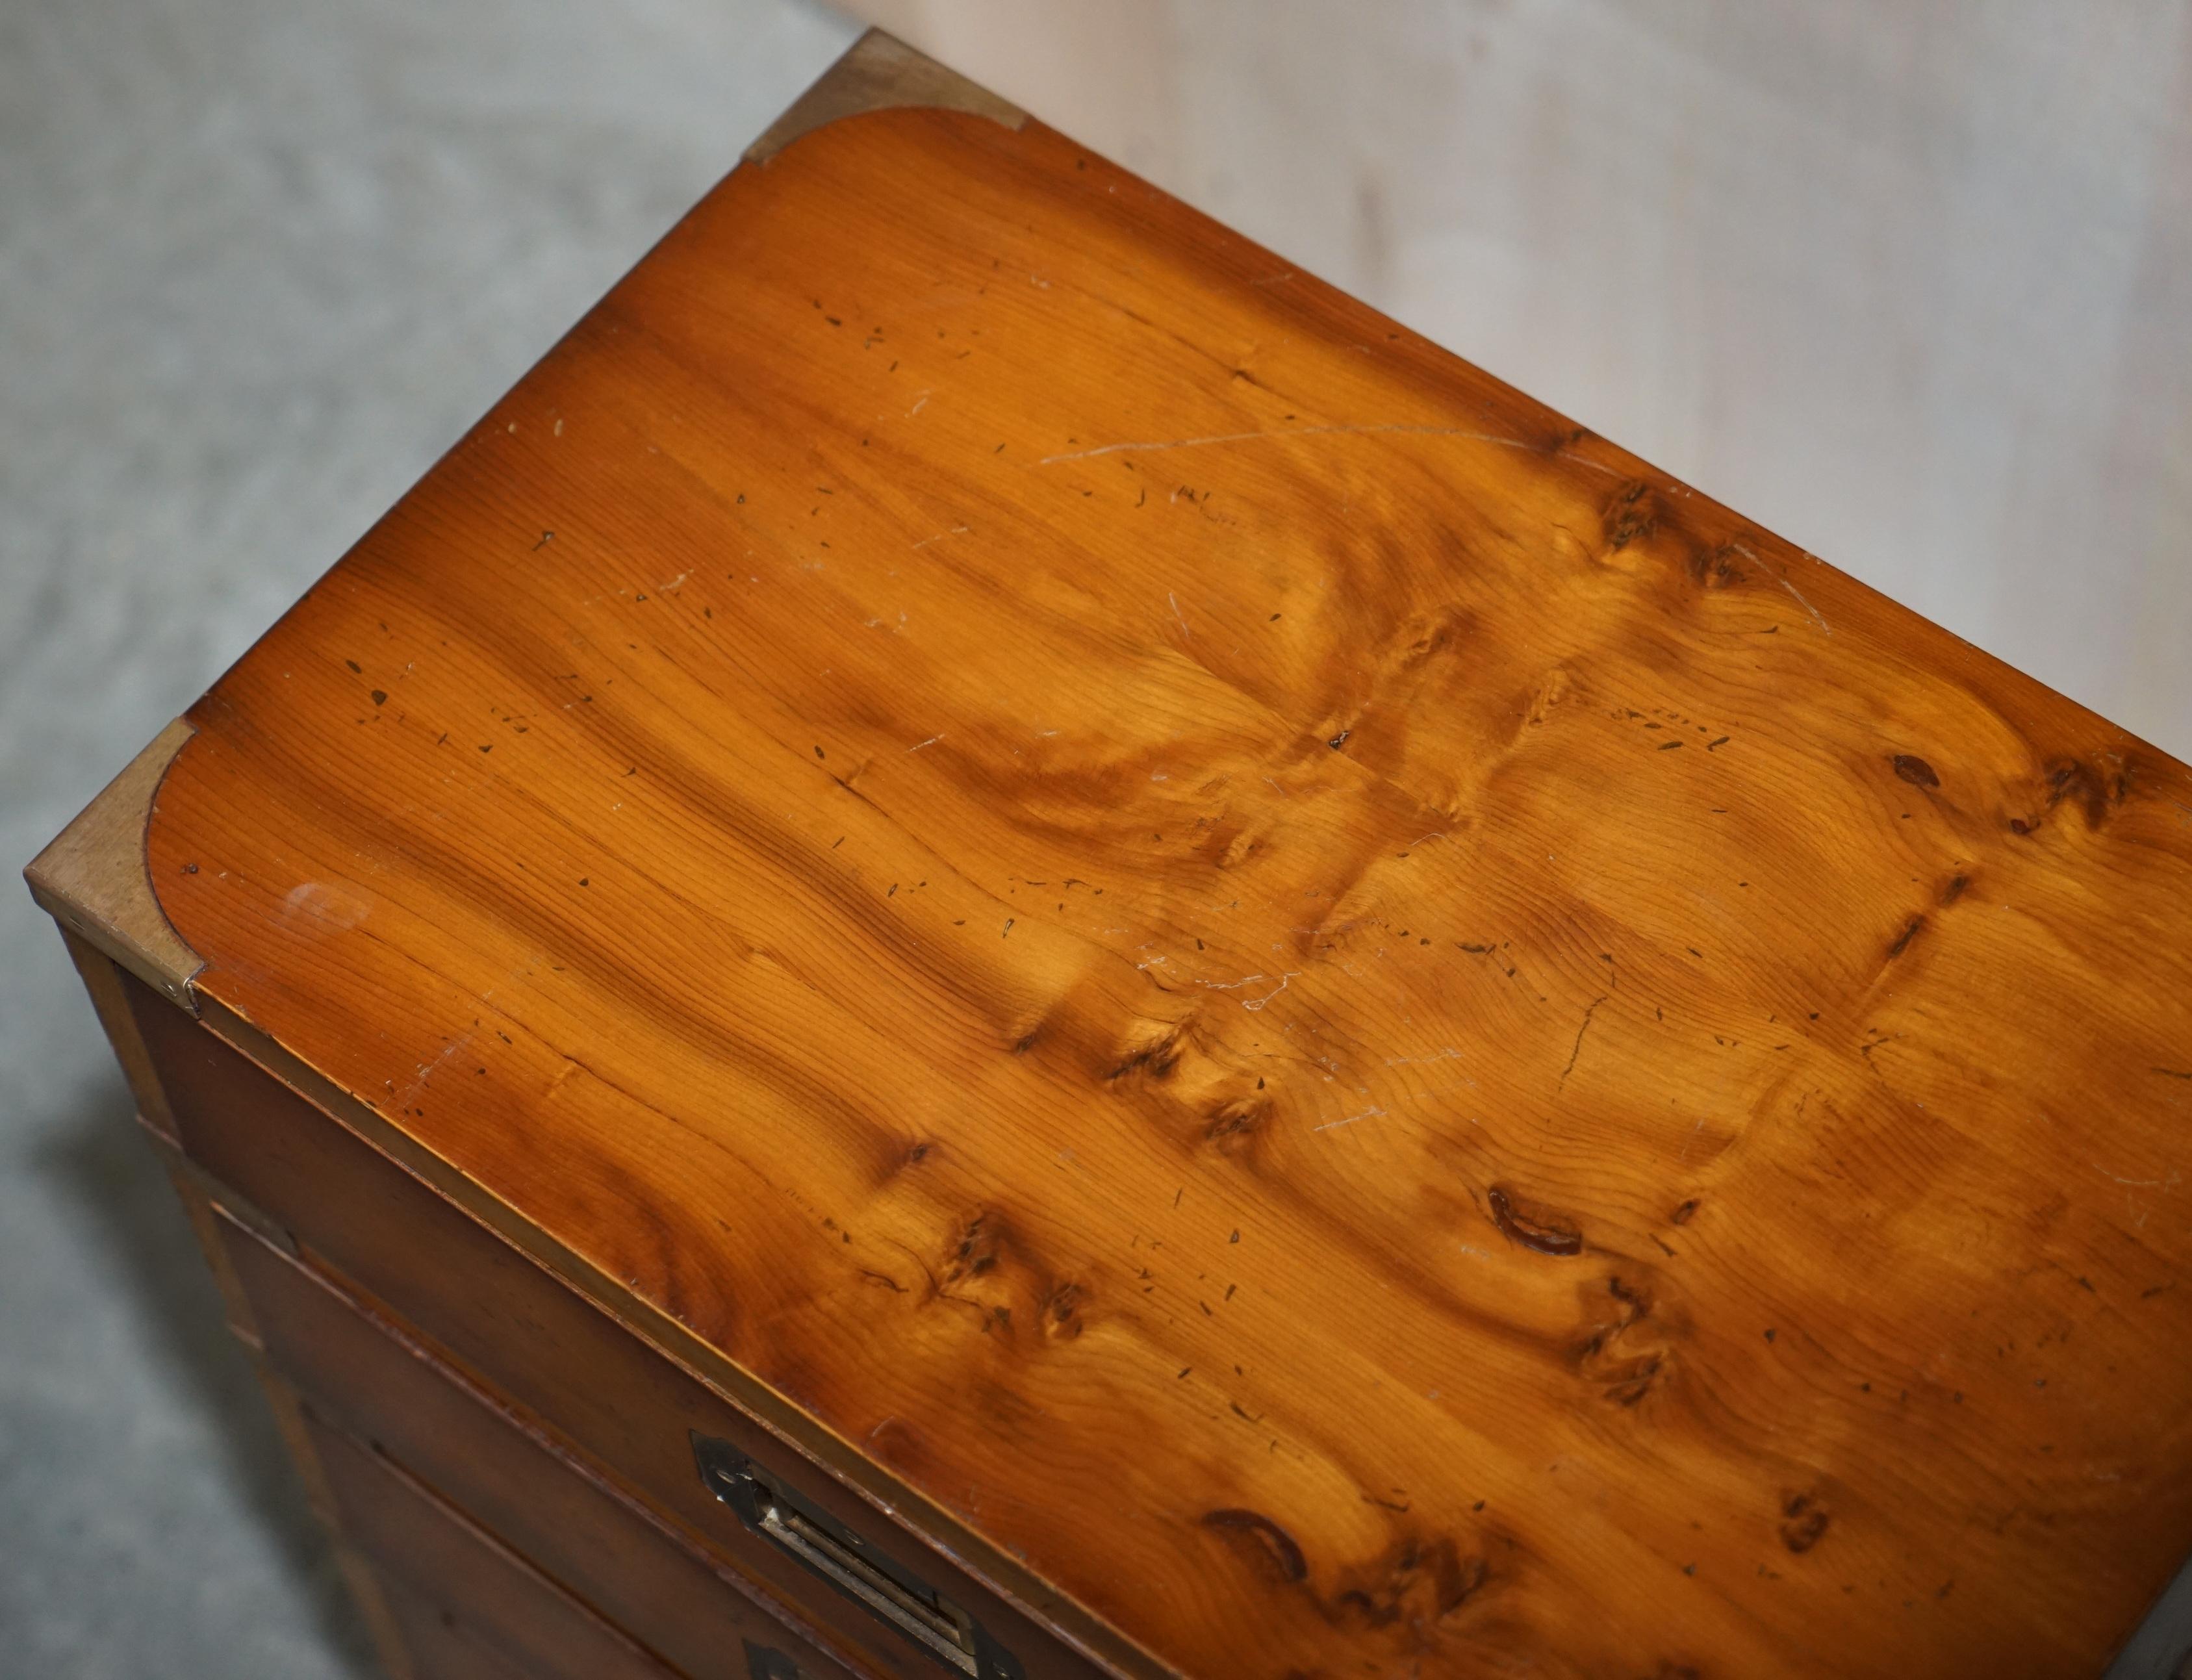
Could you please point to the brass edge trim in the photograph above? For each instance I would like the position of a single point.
(881, 72)
(94, 881)
(1013, 1583)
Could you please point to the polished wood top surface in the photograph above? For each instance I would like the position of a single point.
(1323, 1011)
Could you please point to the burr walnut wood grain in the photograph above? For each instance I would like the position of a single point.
(1316, 1008)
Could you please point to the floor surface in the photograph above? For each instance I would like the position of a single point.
(259, 263)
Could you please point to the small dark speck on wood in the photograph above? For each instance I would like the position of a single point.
(1806, 1522)
(1274, 1543)
(1544, 1237)
(1915, 771)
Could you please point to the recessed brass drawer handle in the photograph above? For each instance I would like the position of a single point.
(879, 1585)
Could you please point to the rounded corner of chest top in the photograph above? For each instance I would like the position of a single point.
(94, 881)
(881, 72)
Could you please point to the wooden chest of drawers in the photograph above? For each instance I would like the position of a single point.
(998, 943)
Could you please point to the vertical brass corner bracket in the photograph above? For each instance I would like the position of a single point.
(93, 879)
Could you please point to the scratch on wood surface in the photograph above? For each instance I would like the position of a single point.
(1825, 629)
(426, 1070)
(1692, 1139)
(1493, 437)
(1178, 616)
(1334, 1125)
(1577, 1048)
(1794, 593)
(1259, 1002)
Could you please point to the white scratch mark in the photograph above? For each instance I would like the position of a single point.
(931, 741)
(427, 1070)
(1259, 1002)
(955, 531)
(1178, 616)
(1411, 1061)
(2169, 1183)
(1334, 1125)
(1493, 437)
(1794, 593)
(1824, 628)
(674, 584)
(920, 403)
(1231, 986)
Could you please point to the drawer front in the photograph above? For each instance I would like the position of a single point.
(529, 1339)
(511, 1608)
(440, 1645)
(358, 1372)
